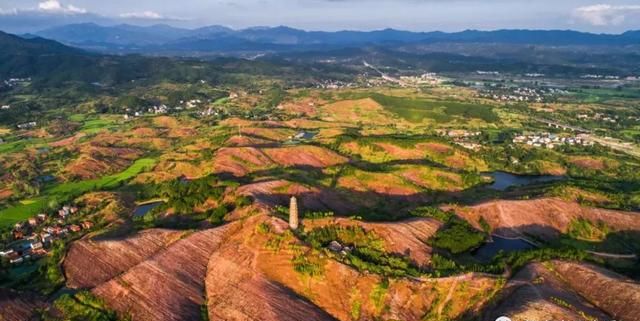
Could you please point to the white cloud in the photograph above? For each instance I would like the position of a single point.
(143, 15)
(57, 7)
(4, 12)
(606, 14)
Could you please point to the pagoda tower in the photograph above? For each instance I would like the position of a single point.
(293, 213)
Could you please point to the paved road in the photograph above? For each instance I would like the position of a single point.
(614, 144)
(384, 75)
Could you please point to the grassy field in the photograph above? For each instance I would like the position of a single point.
(63, 192)
(599, 95)
(18, 145)
(96, 125)
(77, 117)
(417, 110)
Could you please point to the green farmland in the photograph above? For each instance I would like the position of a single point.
(64, 192)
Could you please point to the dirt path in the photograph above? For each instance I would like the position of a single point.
(613, 256)
(507, 221)
(449, 295)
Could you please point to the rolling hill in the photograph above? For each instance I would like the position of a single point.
(163, 38)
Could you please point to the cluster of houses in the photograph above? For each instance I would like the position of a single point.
(193, 103)
(14, 81)
(156, 110)
(33, 238)
(29, 125)
(549, 140)
(610, 77)
(424, 79)
(336, 247)
(458, 133)
(522, 94)
(489, 73)
(183, 104)
(600, 117)
(462, 137)
(596, 76)
(374, 82)
(469, 145)
(334, 84)
(212, 111)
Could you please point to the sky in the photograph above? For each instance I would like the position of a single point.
(612, 16)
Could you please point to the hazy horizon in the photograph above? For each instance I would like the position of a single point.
(21, 16)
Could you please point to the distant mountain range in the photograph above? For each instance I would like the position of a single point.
(219, 39)
(49, 61)
(52, 64)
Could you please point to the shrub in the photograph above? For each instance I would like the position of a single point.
(457, 236)
(433, 212)
(583, 229)
(307, 266)
(368, 252)
(83, 306)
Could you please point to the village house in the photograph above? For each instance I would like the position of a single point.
(75, 228)
(470, 146)
(58, 231)
(28, 125)
(334, 246)
(162, 109)
(549, 141)
(15, 258)
(33, 221)
(46, 238)
(87, 225)
(18, 235)
(66, 211)
(37, 246)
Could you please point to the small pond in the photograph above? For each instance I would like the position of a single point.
(503, 180)
(487, 251)
(46, 179)
(309, 135)
(304, 135)
(42, 150)
(20, 246)
(143, 209)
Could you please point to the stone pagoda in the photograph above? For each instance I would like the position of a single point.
(293, 213)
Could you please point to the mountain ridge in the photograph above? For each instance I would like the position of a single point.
(159, 38)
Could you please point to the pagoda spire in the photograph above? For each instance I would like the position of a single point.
(293, 213)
